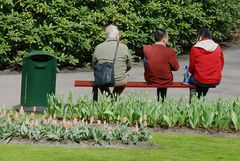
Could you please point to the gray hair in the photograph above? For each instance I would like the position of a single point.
(112, 31)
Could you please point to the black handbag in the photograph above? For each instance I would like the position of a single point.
(104, 73)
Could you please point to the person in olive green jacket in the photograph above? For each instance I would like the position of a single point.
(105, 52)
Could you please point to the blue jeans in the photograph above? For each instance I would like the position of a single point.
(202, 89)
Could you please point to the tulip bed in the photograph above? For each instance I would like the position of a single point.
(20, 124)
(200, 113)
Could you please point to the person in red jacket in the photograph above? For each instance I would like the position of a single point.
(206, 63)
(159, 62)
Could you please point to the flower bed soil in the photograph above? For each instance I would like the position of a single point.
(84, 144)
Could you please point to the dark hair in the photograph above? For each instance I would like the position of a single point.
(205, 33)
(159, 34)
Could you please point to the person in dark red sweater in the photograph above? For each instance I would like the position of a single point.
(206, 63)
(159, 62)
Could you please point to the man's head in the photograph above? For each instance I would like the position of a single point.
(161, 35)
(112, 32)
(204, 33)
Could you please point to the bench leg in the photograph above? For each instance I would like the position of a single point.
(158, 95)
(192, 93)
(95, 93)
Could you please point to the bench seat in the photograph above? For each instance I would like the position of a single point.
(87, 83)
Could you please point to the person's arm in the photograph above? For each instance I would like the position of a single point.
(222, 59)
(174, 61)
(191, 60)
(129, 59)
(94, 59)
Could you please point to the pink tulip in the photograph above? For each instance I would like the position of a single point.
(50, 119)
(16, 117)
(99, 122)
(145, 124)
(43, 120)
(125, 120)
(54, 122)
(91, 120)
(34, 109)
(36, 124)
(10, 113)
(54, 116)
(32, 116)
(140, 120)
(21, 111)
(136, 129)
(69, 124)
(33, 122)
(144, 118)
(83, 121)
(64, 123)
(75, 122)
(118, 118)
(27, 120)
(104, 122)
(4, 113)
(9, 119)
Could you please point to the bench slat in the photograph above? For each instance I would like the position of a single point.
(85, 83)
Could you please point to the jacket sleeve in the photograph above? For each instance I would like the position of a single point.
(129, 59)
(94, 59)
(191, 61)
(174, 61)
(222, 59)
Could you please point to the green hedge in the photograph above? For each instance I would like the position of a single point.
(70, 29)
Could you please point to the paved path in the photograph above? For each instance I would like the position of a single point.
(10, 85)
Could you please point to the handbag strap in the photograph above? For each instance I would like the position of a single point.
(115, 53)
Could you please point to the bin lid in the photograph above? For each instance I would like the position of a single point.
(38, 55)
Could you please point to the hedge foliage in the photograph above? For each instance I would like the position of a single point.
(70, 29)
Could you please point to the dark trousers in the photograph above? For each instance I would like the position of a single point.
(116, 90)
(202, 89)
(162, 92)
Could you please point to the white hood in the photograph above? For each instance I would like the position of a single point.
(208, 45)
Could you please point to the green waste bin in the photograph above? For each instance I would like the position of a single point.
(38, 80)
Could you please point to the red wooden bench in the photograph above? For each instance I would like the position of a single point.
(86, 83)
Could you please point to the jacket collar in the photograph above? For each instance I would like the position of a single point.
(158, 43)
(111, 39)
(206, 44)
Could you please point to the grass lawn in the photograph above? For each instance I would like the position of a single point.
(173, 147)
